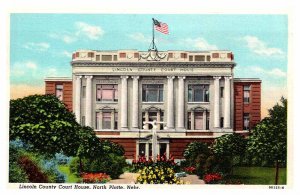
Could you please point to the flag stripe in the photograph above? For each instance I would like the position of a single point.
(163, 28)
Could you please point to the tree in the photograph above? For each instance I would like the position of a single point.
(229, 145)
(268, 139)
(44, 122)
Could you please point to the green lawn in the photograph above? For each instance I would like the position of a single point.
(258, 175)
(71, 178)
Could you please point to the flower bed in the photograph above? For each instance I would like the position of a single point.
(157, 175)
(212, 178)
(190, 170)
(95, 177)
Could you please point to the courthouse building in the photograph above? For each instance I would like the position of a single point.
(194, 94)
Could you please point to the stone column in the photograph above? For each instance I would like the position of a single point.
(77, 97)
(180, 107)
(192, 120)
(135, 102)
(170, 101)
(217, 102)
(88, 100)
(112, 123)
(227, 102)
(204, 120)
(124, 103)
(146, 119)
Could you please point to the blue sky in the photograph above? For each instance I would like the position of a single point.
(41, 44)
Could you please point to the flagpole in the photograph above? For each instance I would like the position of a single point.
(152, 35)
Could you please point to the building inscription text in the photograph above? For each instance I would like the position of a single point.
(128, 69)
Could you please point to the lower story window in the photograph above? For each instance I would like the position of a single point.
(142, 149)
(246, 121)
(163, 149)
(198, 121)
(151, 116)
(106, 120)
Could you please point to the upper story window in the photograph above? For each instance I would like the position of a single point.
(198, 93)
(107, 93)
(59, 92)
(153, 93)
(247, 89)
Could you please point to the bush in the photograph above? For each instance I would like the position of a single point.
(51, 169)
(196, 151)
(17, 174)
(75, 166)
(62, 159)
(110, 147)
(33, 171)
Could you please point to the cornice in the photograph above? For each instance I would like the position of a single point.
(154, 64)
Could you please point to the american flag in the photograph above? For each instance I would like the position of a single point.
(161, 27)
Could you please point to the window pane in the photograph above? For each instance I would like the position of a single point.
(162, 149)
(198, 95)
(107, 94)
(198, 120)
(106, 120)
(59, 94)
(150, 149)
(152, 96)
(161, 95)
(142, 149)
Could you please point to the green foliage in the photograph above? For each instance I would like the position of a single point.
(196, 150)
(268, 140)
(229, 145)
(44, 122)
(110, 147)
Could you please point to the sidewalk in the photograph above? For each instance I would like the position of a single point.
(130, 178)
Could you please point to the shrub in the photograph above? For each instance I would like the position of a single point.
(95, 178)
(33, 171)
(17, 174)
(110, 147)
(62, 159)
(51, 169)
(157, 174)
(194, 151)
(212, 178)
(75, 166)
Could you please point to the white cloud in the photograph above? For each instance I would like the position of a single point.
(37, 46)
(261, 48)
(51, 72)
(273, 72)
(140, 37)
(92, 32)
(64, 36)
(67, 54)
(22, 68)
(199, 43)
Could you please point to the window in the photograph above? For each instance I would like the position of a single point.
(115, 57)
(191, 58)
(106, 57)
(221, 92)
(198, 93)
(136, 55)
(199, 58)
(207, 120)
(247, 93)
(97, 57)
(59, 92)
(106, 120)
(183, 55)
(90, 54)
(222, 122)
(122, 55)
(142, 149)
(208, 58)
(153, 115)
(198, 120)
(152, 93)
(162, 149)
(107, 93)
(170, 55)
(215, 55)
(83, 91)
(246, 121)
